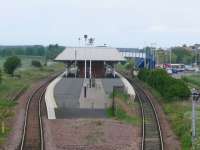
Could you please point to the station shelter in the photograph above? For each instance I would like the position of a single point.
(91, 61)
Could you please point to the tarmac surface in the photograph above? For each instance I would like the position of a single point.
(72, 113)
(67, 92)
(71, 103)
(108, 84)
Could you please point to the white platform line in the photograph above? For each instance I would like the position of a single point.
(129, 88)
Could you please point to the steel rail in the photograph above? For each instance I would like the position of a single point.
(43, 88)
(140, 91)
(155, 114)
(26, 116)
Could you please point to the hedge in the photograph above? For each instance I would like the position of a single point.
(168, 87)
(36, 63)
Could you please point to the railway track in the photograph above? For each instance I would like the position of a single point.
(32, 135)
(151, 131)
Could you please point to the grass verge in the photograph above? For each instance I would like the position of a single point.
(124, 109)
(11, 86)
(4, 135)
(192, 79)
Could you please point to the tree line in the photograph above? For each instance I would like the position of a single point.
(184, 55)
(50, 51)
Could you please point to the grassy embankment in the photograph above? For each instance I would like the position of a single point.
(10, 86)
(179, 114)
(194, 82)
(125, 109)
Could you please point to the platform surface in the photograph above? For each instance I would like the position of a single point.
(70, 100)
(67, 92)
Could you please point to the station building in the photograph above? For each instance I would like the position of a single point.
(85, 94)
(91, 61)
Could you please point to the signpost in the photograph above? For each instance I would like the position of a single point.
(195, 98)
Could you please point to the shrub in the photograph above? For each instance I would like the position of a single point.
(36, 63)
(6, 112)
(167, 86)
(11, 64)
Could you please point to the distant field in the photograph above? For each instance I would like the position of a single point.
(10, 86)
(2, 60)
(25, 60)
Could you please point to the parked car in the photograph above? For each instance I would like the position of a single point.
(169, 70)
(189, 68)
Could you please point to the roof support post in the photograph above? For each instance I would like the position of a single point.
(85, 69)
(114, 71)
(67, 69)
(90, 69)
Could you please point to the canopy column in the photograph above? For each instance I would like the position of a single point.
(90, 69)
(85, 69)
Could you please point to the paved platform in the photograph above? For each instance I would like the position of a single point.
(67, 92)
(65, 97)
(80, 113)
(108, 84)
(96, 96)
(69, 95)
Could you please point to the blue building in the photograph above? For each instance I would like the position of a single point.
(142, 57)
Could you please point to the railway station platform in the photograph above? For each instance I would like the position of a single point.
(65, 97)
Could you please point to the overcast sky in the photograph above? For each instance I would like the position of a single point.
(118, 23)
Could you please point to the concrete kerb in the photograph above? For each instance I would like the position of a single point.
(128, 87)
(50, 99)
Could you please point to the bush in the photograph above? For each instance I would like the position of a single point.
(36, 63)
(11, 64)
(167, 86)
(6, 112)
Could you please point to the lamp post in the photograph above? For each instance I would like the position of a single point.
(195, 97)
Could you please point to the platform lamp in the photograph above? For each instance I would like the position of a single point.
(195, 98)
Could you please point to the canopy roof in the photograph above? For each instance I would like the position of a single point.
(90, 53)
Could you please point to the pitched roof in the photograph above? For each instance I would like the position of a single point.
(90, 53)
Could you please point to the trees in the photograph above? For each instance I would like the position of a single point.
(5, 112)
(11, 64)
(183, 55)
(91, 41)
(130, 66)
(167, 86)
(36, 63)
(30, 50)
(53, 51)
(85, 37)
